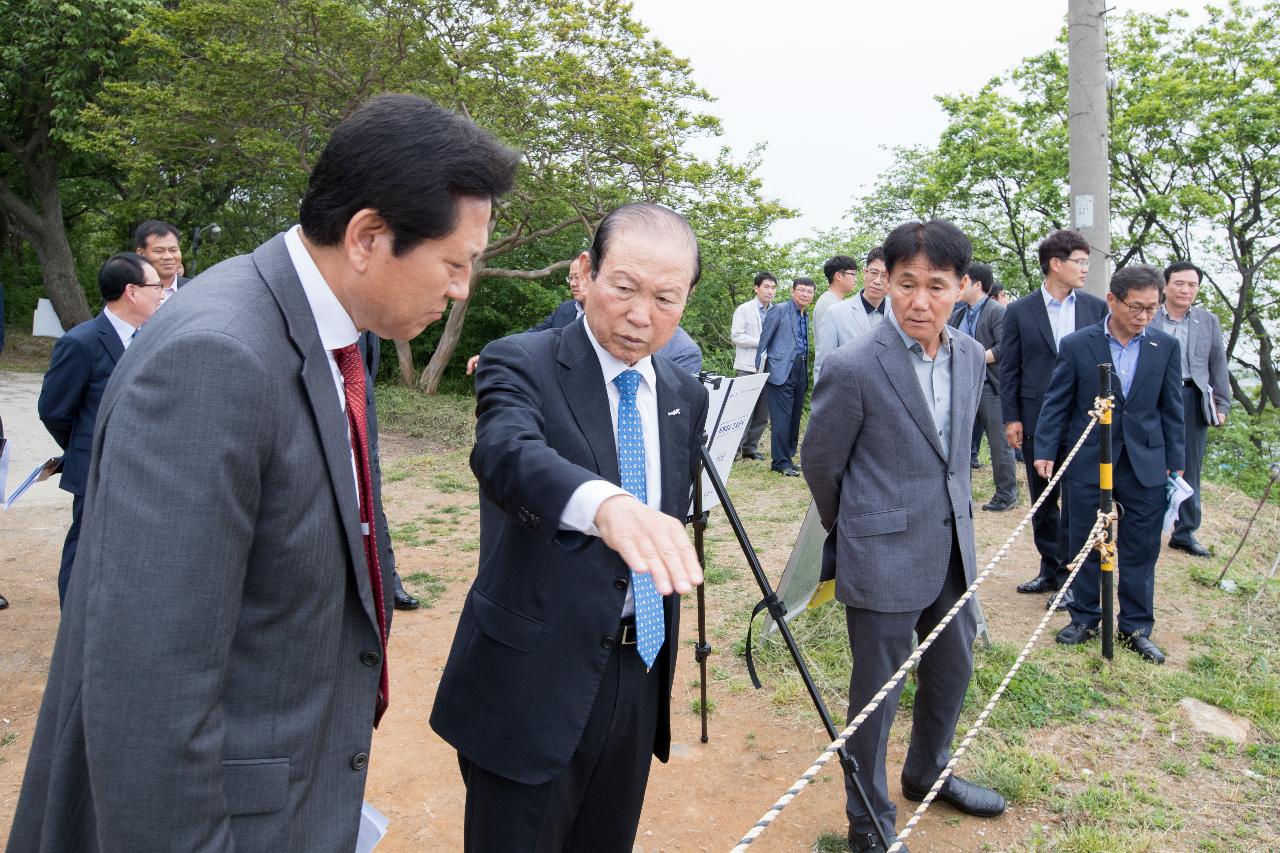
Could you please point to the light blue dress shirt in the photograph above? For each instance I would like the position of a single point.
(1062, 315)
(934, 376)
(1124, 357)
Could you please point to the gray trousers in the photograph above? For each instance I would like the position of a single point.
(1003, 467)
(759, 419)
(880, 643)
(1197, 436)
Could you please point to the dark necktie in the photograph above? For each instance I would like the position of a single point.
(353, 377)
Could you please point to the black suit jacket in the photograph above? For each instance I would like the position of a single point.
(566, 312)
(82, 362)
(528, 657)
(1148, 421)
(1027, 353)
(989, 332)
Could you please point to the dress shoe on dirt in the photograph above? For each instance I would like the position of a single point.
(994, 505)
(791, 472)
(405, 601)
(1062, 605)
(869, 842)
(1036, 585)
(754, 454)
(4, 602)
(1193, 548)
(961, 795)
(1075, 634)
(1142, 645)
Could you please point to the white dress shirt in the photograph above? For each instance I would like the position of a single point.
(334, 324)
(1062, 315)
(123, 329)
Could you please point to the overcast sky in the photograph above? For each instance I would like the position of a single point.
(831, 85)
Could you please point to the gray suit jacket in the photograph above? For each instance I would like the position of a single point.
(877, 473)
(213, 681)
(1207, 356)
(988, 332)
(842, 324)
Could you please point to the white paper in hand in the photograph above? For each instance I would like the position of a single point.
(373, 825)
(1178, 490)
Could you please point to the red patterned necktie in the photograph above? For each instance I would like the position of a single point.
(353, 377)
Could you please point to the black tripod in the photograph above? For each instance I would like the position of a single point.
(770, 602)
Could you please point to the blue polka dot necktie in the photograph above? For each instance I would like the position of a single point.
(650, 626)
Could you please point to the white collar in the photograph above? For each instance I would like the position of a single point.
(1049, 298)
(332, 320)
(123, 328)
(611, 366)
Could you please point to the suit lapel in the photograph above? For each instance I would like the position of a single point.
(272, 260)
(673, 434)
(1041, 316)
(582, 383)
(1149, 353)
(963, 400)
(1101, 351)
(896, 363)
(110, 338)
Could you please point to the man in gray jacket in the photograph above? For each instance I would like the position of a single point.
(851, 319)
(219, 670)
(1206, 385)
(886, 458)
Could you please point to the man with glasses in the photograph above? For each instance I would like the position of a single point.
(1206, 385)
(157, 243)
(1034, 325)
(82, 362)
(842, 277)
(849, 320)
(1146, 447)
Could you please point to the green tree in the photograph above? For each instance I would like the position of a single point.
(54, 59)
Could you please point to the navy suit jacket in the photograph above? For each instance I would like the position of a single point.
(1148, 422)
(778, 342)
(528, 657)
(1027, 355)
(82, 362)
(681, 349)
(566, 312)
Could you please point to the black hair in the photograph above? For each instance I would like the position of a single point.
(118, 272)
(984, 275)
(1183, 266)
(1135, 277)
(644, 215)
(838, 264)
(762, 277)
(802, 281)
(942, 243)
(152, 228)
(876, 254)
(408, 159)
(996, 288)
(1060, 244)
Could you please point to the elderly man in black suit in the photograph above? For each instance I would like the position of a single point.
(557, 689)
(82, 361)
(1033, 327)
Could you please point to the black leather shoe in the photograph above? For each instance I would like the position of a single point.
(1036, 585)
(1193, 548)
(975, 464)
(405, 601)
(961, 795)
(869, 842)
(1075, 634)
(994, 505)
(1142, 645)
(4, 602)
(1062, 605)
(754, 454)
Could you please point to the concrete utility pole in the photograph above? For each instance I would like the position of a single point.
(1090, 138)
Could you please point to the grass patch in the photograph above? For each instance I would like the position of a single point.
(450, 483)
(1021, 775)
(427, 587)
(407, 533)
(444, 419)
(831, 842)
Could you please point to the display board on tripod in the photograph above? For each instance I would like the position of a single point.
(732, 400)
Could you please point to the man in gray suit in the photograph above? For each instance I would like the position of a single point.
(886, 458)
(218, 672)
(981, 317)
(1206, 385)
(851, 319)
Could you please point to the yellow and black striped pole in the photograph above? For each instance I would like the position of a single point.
(1106, 545)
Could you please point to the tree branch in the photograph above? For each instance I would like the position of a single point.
(526, 275)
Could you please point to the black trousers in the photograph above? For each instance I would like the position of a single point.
(1137, 546)
(1197, 437)
(759, 418)
(594, 805)
(1048, 525)
(786, 404)
(880, 642)
(69, 548)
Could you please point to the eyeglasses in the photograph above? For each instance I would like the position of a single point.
(876, 275)
(161, 286)
(1139, 310)
(1082, 263)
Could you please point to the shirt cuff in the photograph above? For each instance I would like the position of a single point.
(580, 512)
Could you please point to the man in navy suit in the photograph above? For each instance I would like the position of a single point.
(79, 368)
(557, 690)
(784, 351)
(1147, 445)
(1033, 327)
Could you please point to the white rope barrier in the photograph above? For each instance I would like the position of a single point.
(1100, 405)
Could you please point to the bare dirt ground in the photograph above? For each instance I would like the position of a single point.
(760, 741)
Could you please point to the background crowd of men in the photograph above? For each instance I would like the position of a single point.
(217, 673)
